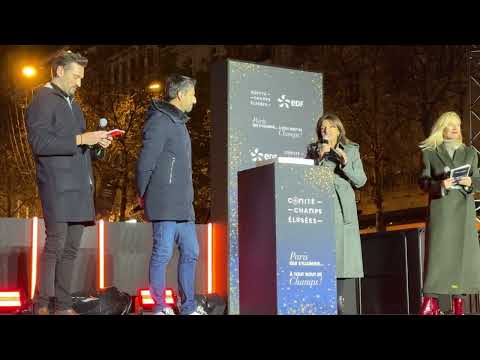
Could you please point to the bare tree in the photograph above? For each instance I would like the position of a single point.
(15, 195)
(377, 112)
(437, 77)
(126, 112)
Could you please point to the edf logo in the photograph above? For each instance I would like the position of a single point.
(286, 103)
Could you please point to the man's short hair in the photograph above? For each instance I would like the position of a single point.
(176, 83)
(64, 58)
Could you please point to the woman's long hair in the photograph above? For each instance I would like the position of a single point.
(342, 138)
(436, 135)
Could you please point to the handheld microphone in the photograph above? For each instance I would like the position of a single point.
(446, 172)
(324, 140)
(99, 151)
(102, 124)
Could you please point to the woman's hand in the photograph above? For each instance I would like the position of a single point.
(343, 156)
(465, 181)
(447, 183)
(324, 149)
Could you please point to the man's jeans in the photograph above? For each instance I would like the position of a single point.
(165, 235)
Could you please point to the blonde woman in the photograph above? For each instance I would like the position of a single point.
(333, 149)
(453, 250)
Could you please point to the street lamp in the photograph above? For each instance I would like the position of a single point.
(155, 86)
(155, 89)
(29, 71)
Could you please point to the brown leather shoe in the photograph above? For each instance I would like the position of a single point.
(42, 310)
(66, 312)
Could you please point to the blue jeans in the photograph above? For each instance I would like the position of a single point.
(165, 235)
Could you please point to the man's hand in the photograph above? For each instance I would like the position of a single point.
(93, 138)
(141, 202)
(104, 143)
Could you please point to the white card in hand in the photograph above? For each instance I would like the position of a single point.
(460, 171)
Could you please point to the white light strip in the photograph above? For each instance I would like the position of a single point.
(15, 303)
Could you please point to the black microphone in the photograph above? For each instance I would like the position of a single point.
(322, 141)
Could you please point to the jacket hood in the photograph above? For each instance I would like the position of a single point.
(175, 114)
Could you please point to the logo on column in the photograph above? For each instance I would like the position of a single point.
(284, 102)
(256, 155)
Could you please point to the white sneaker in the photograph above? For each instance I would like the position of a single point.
(199, 311)
(165, 311)
(196, 313)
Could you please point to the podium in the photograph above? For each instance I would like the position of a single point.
(286, 239)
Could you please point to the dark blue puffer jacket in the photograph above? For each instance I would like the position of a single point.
(164, 168)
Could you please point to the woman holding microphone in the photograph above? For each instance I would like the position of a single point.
(335, 151)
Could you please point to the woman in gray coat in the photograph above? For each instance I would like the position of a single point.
(335, 151)
(453, 249)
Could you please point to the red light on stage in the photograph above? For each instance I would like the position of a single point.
(210, 259)
(146, 300)
(11, 300)
(169, 297)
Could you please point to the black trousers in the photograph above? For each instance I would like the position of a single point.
(57, 261)
(347, 296)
